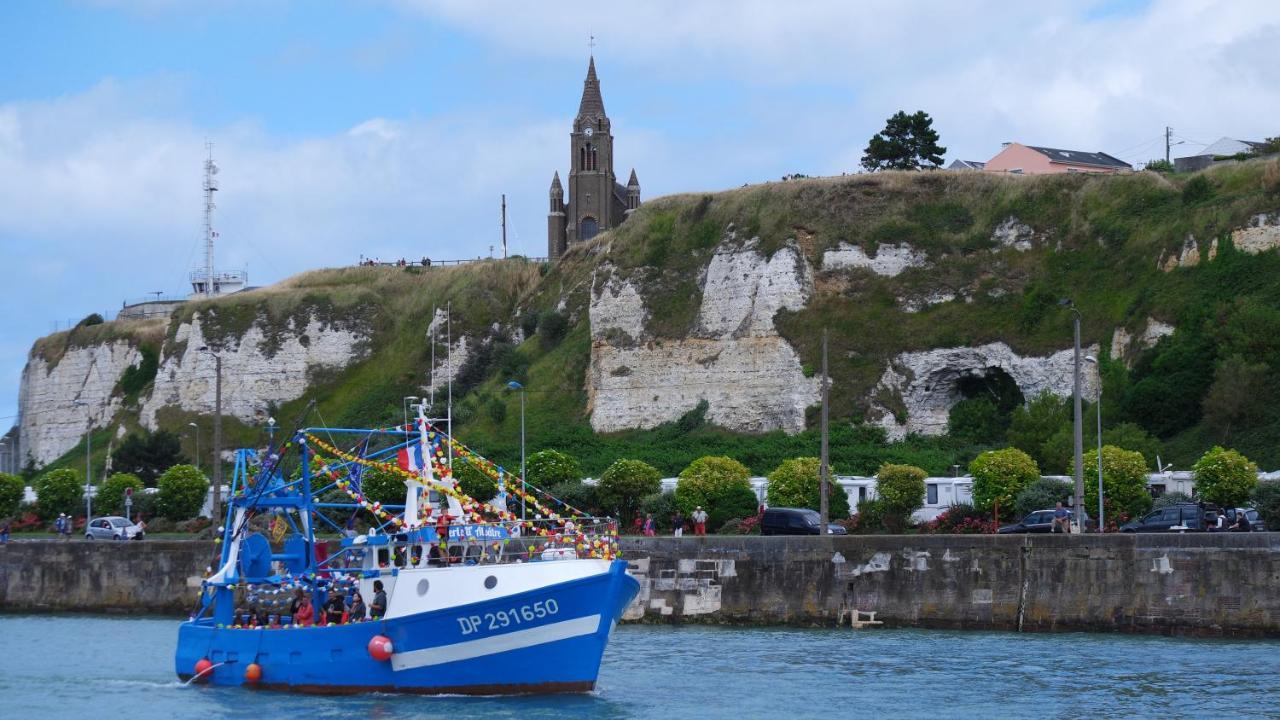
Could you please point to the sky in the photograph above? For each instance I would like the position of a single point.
(391, 128)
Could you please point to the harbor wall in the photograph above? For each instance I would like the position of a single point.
(1219, 584)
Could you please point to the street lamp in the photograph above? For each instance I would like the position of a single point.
(512, 384)
(197, 427)
(1098, 402)
(1078, 421)
(271, 431)
(88, 471)
(217, 434)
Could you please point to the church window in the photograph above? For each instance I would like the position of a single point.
(589, 228)
(582, 158)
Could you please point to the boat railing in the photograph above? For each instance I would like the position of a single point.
(482, 543)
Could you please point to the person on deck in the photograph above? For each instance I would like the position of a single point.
(296, 602)
(334, 608)
(699, 521)
(357, 611)
(379, 606)
(306, 615)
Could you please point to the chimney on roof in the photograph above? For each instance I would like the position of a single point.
(1005, 144)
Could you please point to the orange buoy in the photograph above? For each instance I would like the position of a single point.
(252, 673)
(380, 647)
(203, 666)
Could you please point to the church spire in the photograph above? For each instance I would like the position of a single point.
(592, 105)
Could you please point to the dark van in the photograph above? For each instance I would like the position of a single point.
(795, 521)
(1183, 517)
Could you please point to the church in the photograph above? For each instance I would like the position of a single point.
(596, 202)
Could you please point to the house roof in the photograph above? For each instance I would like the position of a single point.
(1225, 146)
(1079, 157)
(966, 165)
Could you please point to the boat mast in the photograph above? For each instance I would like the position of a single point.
(448, 349)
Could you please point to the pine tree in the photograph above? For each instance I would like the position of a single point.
(908, 142)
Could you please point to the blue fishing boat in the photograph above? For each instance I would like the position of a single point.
(443, 594)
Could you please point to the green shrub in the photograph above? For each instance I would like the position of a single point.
(473, 481)
(1225, 477)
(1032, 426)
(148, 454)
(976, 420)
(110, 497)
(496, 409)
(576, 495)
(1042, 495)
(719, 484)
(900, 491)
(1171, 498)
(181, 492)
(529, 323)
(663, 507)
(11, 487)
(59, 491)
(998, 477)
(384, 486)
(625, 485)
(1266, 498)
(91, 319)
(795, 483)
(1198, 189)
(1124, 481)
(137, 377)
(868, 520)
(552, 467)
(552, 327)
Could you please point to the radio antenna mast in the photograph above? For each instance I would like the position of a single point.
(210, 187)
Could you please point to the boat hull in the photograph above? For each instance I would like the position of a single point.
(545, 640)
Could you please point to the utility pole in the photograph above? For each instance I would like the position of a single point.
(217, 441)
(1078, 423)
(504, 226)
(1168, 132)
(824, 470)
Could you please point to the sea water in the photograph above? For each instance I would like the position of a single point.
(87, 667)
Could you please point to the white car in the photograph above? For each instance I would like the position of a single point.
(113, 528)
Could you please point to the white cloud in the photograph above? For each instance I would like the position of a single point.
(988, 71)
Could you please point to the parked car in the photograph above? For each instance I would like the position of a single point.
(1040, 521)
(113, 528)
(795, 521)
(1256, 523)
(1183, 517)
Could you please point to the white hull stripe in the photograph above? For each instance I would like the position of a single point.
(517, 640)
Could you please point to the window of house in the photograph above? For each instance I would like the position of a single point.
(931, 493)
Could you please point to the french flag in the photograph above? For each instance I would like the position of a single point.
(410, 458)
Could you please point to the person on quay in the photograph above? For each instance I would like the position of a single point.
(1061, 519)
(649, 527)
(677, 524)
(4, 531)
(699, 521)
(63, 526)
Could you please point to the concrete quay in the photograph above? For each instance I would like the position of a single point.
(1213, 585)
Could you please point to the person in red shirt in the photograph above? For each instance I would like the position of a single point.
(306, 614)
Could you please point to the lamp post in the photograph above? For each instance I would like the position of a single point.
(405, 402)
(217, 435)
(88, 470)
(517, 386)
(1098, 402)
(271, 431)
(197, 427)
(1077, 420)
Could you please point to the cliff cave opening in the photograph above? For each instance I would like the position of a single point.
(987, 399)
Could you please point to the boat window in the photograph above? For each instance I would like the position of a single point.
(384, 557)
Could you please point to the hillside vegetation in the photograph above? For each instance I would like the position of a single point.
(1097, 240)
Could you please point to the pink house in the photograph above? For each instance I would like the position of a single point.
(1028, 160)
